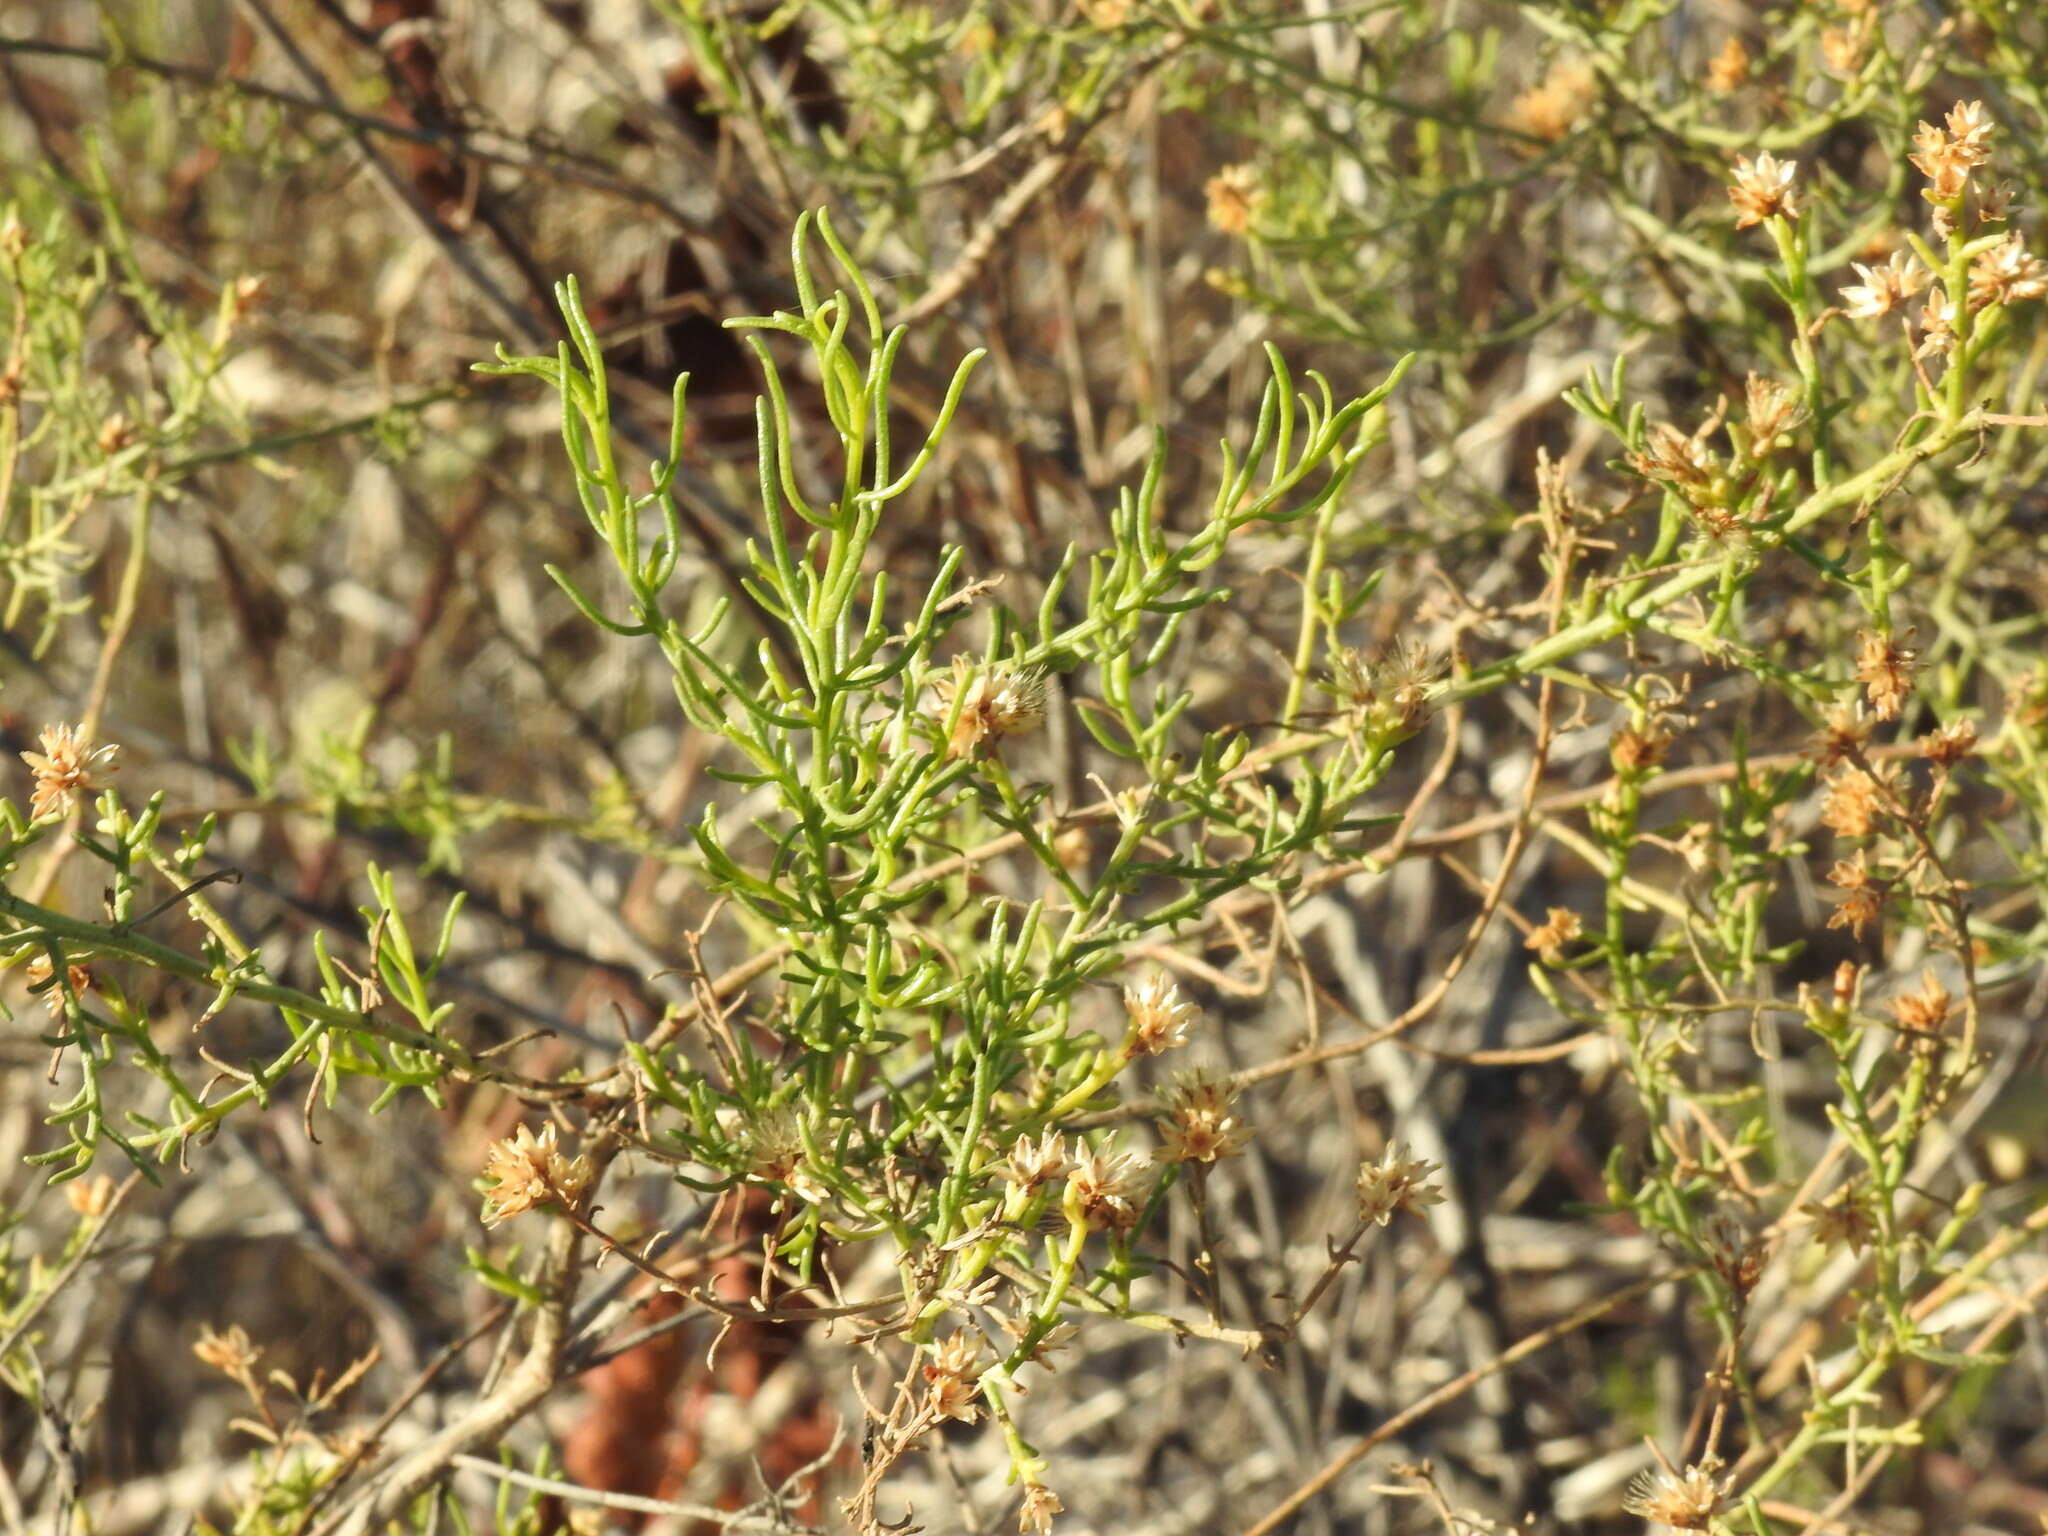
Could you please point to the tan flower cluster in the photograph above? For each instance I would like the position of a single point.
(1763, 189)
(993, 702)
(1550, 109)
(1886, 288)
(1040, 1505)
(1031, 1164)
(2007, 274)
(1885, 667)
(1395, 1183)
(1201, 1121)
(230, 1353)
(1728, 69)
(1158, 1018)
(1841, 738)
(1234, 196)
(1862, 900)
(1853, 803)
(64, 768)
(1108, 1189)
(1950, 744)
(953, 1378)
(1946, 159)
(1548, 941)
(528, 1171)
(1924, 1014)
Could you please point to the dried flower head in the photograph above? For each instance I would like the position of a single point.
(1638, 749)
(2007, 274)
(91, 1197)
(1729, 68)
(774, 1150)
(1386, 695)
(1735, 1253)
(1925, 1013)
(1885, 668)
(1551, 108)
(1937, 325)
(1844, 1221)
(1548, 941)
(1946, 159)
(1158, 1019)
(1884, 288)
(65, 767)
(1672, 458)
(993, 702)
(1686, 1501)
(528, 1171)
(1040, 1505)
(1950, 744)
(77, 979)
(1234, 196)
(1396, 1182)
(1108, 1189)
(1763, 189)
(1841, 50)
(1031, 1164)
(1853, 803)
(116, 432)
(953, 1378)
(1201, 1122)
(230, 1353)
(1862, 900)
(1773, 411)
(1842, 738)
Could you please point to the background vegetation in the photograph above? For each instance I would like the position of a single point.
(1307, 795)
